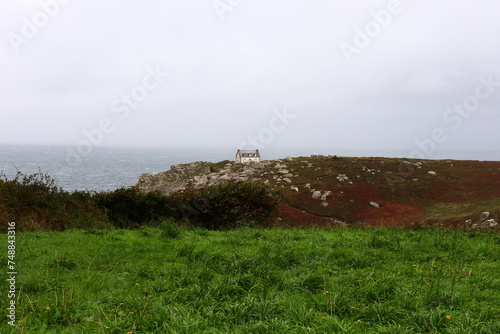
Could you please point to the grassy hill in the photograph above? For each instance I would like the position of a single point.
(407, 192)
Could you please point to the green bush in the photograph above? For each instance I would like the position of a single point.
(226, 206)
(129, 208)
(35, 202)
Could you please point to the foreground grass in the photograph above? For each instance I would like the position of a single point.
(257, 281)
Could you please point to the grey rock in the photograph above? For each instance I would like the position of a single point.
(489, 223)
(432, 173)
(223, 172)
(375, 205)
(287, 180)
(324, 204)
(240, 179)
(146, 177)
(316, 194)
(283, 172)
(224, 177)
(202, 181)
(294, 188)
(484, 216)
(248, 172)
(342, 177)
(257, 165)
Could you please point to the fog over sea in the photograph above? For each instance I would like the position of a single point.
(108, 168)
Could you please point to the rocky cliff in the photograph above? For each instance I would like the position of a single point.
(198, 175)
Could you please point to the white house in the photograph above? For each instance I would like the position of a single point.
(244, 156)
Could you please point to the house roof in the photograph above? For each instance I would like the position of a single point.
(249, 153)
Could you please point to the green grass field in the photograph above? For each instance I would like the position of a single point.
(256, 281)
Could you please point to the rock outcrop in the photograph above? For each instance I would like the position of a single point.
(483, 223)
(197, 175)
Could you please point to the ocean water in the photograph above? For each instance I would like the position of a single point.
(105, 169)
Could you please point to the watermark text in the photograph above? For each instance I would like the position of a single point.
(11, 273)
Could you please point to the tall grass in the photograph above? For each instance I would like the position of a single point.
(171, 280)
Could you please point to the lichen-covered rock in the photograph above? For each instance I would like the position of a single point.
(178, 178)
(484, 216)
(257, 165)
(488, 223)
(316, 194)
(342, 177)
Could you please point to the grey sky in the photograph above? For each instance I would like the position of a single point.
(230, 71)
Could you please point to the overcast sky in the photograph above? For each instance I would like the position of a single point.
(347, 74)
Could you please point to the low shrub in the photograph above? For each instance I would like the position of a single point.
(226, 206)
(130, 208)
(35, 202)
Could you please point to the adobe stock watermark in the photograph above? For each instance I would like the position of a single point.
(31, 27)
(278, 123)
(12, 273)
(222, 7)
(371, 30)
(453, 119)
(121, 108)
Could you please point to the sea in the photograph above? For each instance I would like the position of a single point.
(109, 168)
